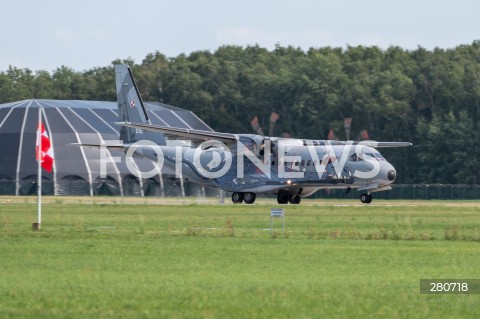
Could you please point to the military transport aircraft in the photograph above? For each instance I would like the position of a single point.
(249, 164)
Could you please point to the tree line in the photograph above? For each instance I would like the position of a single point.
(428, 97)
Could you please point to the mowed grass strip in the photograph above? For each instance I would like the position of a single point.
(219, 261)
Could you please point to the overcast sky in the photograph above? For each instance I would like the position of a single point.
(44, 35)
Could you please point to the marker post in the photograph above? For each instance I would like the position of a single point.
(38, 224)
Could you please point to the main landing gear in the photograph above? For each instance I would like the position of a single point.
(248, 198)
(283, 199)
(366, 198)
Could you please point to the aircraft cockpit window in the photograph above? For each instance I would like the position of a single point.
(309, 162)
(376, 156)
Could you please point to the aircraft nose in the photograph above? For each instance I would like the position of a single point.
(391, 175)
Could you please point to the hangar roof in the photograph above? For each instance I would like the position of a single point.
(67, 122)
(160, 114)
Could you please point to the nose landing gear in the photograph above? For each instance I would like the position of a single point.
(366, 198)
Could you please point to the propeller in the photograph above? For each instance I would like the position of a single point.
(331, 135)
(347, 123)
(256, 126)
(273, 119)
(274, 116)
(364, 135)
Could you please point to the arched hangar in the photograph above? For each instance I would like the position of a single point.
(76, 170)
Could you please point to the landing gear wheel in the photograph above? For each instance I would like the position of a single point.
(295, 199)
(366, 198)
(249, 198)
(282, 199)
(237, 198)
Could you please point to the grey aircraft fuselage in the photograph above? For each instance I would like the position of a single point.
(249, 164)
(302, 168)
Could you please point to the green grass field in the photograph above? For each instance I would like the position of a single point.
(339, 259)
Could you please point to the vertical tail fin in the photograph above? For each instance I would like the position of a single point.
(131, 108)
(130, 104)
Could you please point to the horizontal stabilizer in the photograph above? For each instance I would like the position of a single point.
(116, 147)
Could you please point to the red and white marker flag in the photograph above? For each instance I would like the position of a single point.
(44, 152)
(45, 155)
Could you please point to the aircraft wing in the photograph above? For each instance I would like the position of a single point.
(385, 144)
(374, 144)
(182, 132)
